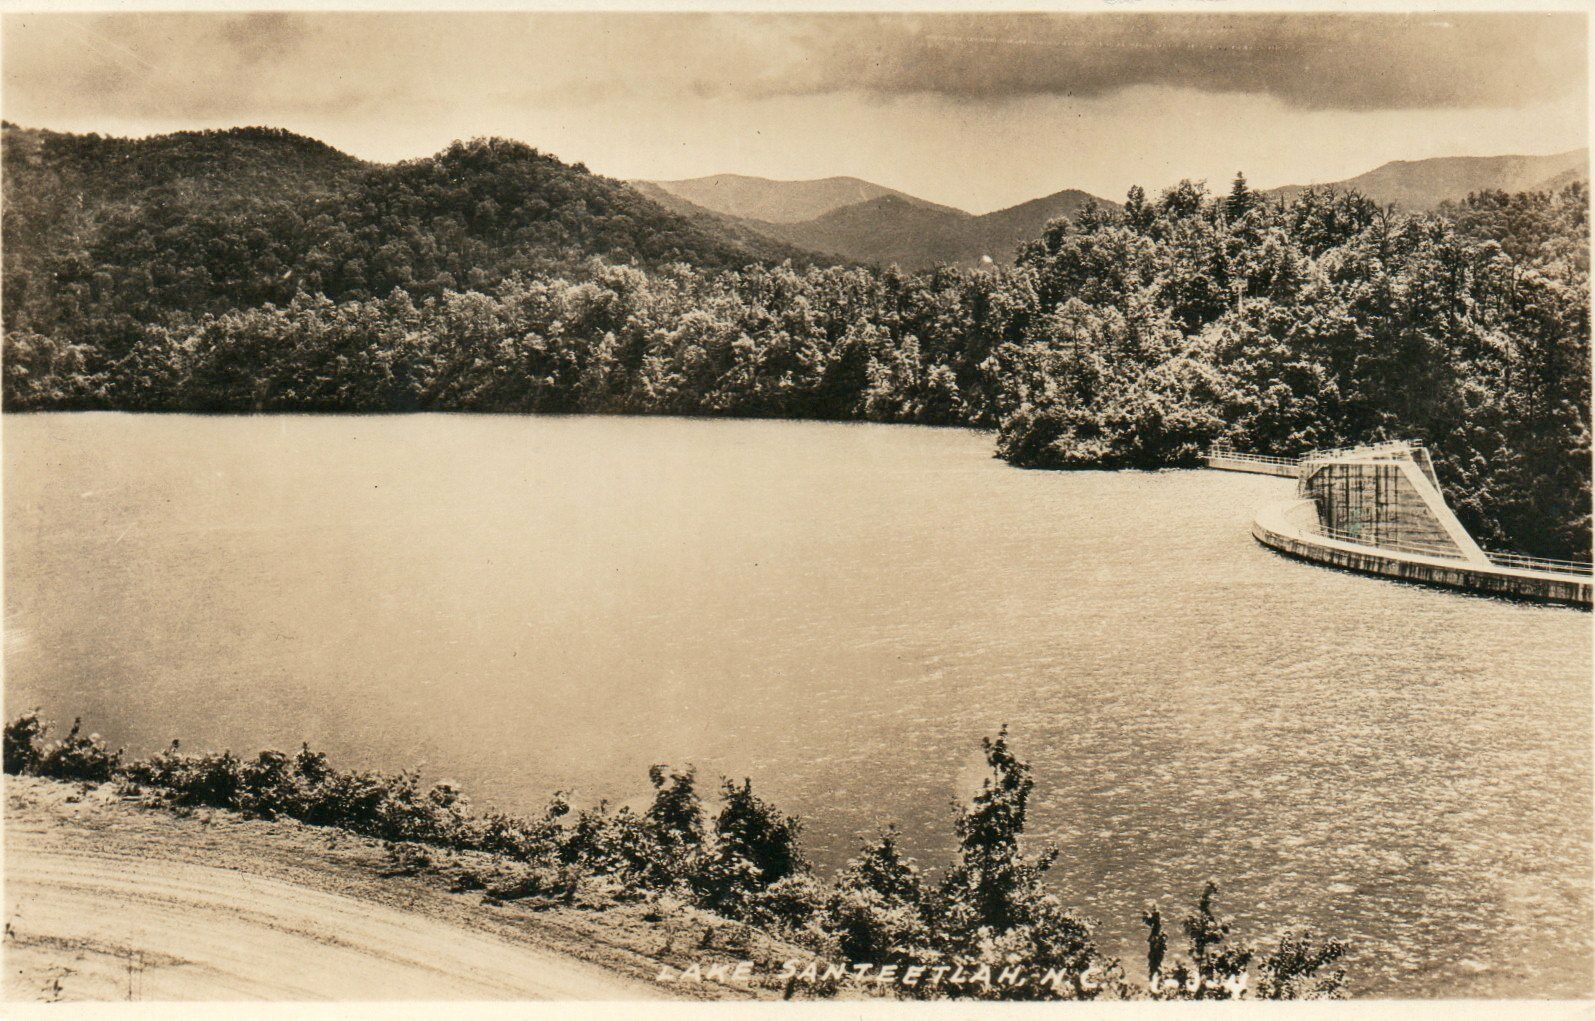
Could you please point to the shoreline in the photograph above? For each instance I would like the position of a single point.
(209, 904)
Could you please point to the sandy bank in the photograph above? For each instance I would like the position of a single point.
(109, 898)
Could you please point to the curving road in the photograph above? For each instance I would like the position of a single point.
(86, 920)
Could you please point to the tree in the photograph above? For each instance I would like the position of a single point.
(1241, 198)
(991, 907)
(1216, 967)
(876, 909)
(754, 847)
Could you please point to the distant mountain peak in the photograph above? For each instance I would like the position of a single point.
(1424, 184)
(773, 201)
(866, 222)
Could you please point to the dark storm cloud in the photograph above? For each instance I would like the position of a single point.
(206, 65)
(1324, 61)
(175, 66)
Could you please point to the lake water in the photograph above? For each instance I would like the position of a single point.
(839, 612)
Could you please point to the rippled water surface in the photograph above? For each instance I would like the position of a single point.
(838, 612)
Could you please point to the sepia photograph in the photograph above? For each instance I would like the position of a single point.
(873, 507)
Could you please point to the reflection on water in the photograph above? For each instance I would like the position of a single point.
(838, 612)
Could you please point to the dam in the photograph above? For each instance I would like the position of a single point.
(1378, 509)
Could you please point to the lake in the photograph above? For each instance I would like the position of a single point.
(839, 612)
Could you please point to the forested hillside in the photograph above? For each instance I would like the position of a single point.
(1325, 321)
(1127, 337)
(105, 234)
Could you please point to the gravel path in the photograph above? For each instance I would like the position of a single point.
(96, 909)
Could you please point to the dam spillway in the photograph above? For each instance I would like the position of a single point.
(1378, 509)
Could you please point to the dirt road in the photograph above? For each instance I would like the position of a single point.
(97, 907)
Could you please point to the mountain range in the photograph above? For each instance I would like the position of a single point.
(886, 227)
(859, 221)
(249, 216)
(754, 198)
(1424, 184)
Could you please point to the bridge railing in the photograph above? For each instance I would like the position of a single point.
(1226, 454)
(1515, 561)
(1521, 562)
(1385, 447)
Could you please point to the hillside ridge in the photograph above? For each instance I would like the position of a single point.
(1424, 184)
(103, 233)
(783, 201)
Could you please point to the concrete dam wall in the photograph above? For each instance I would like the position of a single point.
(1378, 510)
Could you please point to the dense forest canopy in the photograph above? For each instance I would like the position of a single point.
(104, 235)
(494, 278)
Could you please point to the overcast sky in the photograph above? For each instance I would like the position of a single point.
(975, 110)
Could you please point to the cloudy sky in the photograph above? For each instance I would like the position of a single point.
(974, 110)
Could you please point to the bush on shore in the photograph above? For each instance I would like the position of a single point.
(74, 757)
(989, 911)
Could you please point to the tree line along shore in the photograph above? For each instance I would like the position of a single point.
(983, 926)
(285, 276)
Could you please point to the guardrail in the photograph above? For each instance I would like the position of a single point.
(1223, 453)
(1516, 561)
(1384, 447)
(1526, 563)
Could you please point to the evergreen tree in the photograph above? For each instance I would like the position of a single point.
(1241, 198)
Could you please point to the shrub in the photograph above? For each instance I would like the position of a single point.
(992, 909)
(553, 882)
(1298, 969)
(675, 828)
(616, 843)
(657, 849)
(1218, 971)
(208, 779)
(78, 757)
(270, 786)
(1216, 968)
(755, 846)
(870, 928)
(787, 905)
(22, 738)
(676, 815)
(1049, 941)
(405, 812)
(524, 840)
(350, 800)
(875, 910)
(883, 868)
(722, 882)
